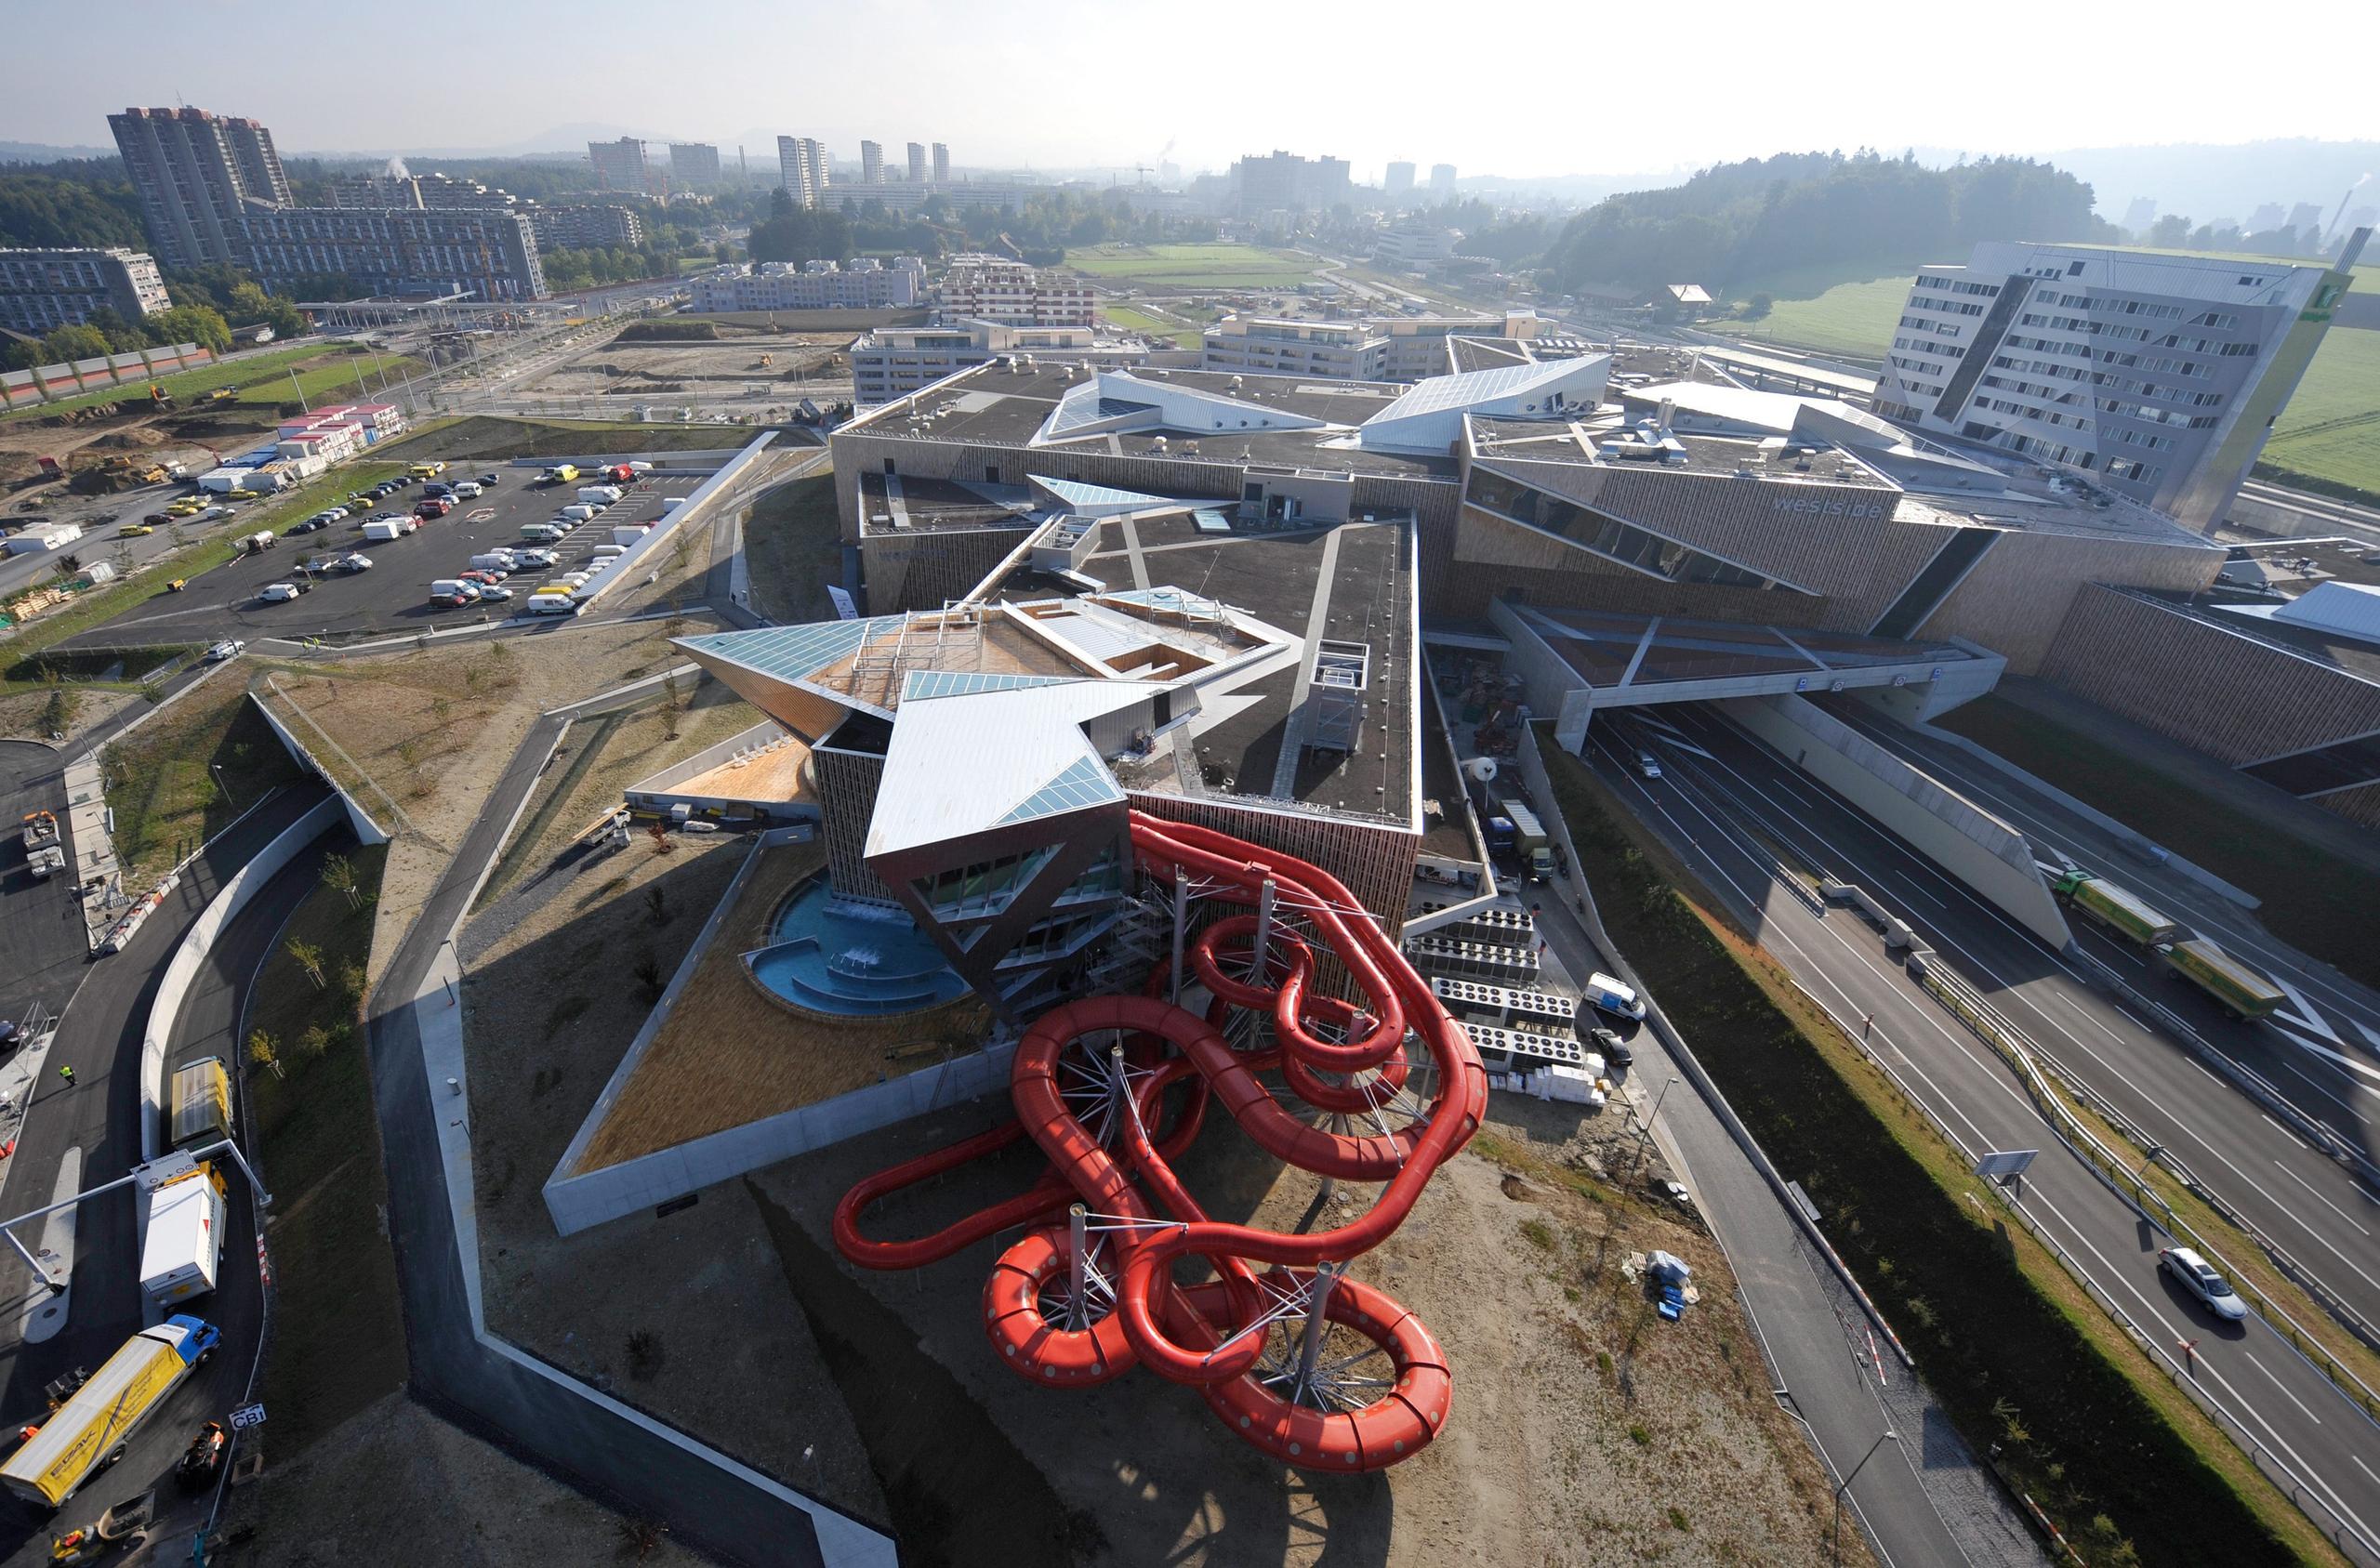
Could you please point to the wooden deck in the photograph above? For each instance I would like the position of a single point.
(731, 1053)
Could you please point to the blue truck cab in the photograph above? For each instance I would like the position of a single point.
(199, 1338)
(1501, 837)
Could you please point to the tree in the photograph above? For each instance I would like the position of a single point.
(68, 343)
(308, 958)
(265, 1051)
(2170, 231)
(201, 324)
(338, 875)
(314, 1043)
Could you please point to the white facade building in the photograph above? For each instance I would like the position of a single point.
(893, 361)
(864, 284)
(41, 290)
(992, 289)
(2159, 376)
(801, 169)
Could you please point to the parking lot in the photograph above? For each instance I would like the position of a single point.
(393, 596)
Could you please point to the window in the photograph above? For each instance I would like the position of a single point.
(888, 465)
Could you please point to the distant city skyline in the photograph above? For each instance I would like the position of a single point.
(724, 83)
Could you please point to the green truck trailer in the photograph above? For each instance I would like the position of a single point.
(2125, 913)
(2242, 992)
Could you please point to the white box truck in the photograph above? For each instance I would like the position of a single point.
(606, 552)
(629, 534)
(181, 1227)
(599, 495)
(380, 532)
(580, 512)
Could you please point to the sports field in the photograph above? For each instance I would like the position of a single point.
(1210, 266)
(1125, 318)
(2330, 429)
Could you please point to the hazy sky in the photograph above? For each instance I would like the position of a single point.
(1520, 87)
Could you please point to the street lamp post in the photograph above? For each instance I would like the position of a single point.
(1844, 1485)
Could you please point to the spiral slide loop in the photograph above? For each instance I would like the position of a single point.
(1357, 1386)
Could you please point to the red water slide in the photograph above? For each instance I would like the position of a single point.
(1112, 1089)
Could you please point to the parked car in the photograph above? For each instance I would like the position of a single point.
(223, 651)
(2195, 1275)
(490, 476)
(478, 575)
(1612, 1049)
(494, 590)
(352, 561)
(281, 593)
(135, 530)
(310, 525)
(535, 557)
(158, 520)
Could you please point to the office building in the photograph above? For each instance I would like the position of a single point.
(42, 290)
(941, 164)
(1399, 188)
(589, 225)
(195, 173)
(693, 166)
(2157, 375)
(992, 289)
(620, 165)
(491, 256)
(801, 169)
(894, 362)
(1287, 182)
(871, 163)
(1442, 182)
(916, 162)
(1412, 243)
(863, 285)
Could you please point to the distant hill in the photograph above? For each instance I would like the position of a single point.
(42, 152)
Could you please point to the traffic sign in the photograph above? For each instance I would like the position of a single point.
(247, 1415)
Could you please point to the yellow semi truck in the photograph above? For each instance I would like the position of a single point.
(91, 1431)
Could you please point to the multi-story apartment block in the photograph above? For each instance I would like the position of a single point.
(1287, 182)
(604, 226)
(1442, 186)
(490, 254)
(871, 163)
(992, 289)
(1399, 188)
(916, 162)
(864, 284)
(801, 169)
(693, 166)
(1370, 347)
(941, 164)
(620, 165)
(194, 172)
(41, 290)
(2160, 375)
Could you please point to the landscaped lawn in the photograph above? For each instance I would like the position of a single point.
(1208, 266)
(1125, 318)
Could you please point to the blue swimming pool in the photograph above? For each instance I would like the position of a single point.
(833, 956)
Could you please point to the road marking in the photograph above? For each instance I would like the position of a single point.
(2362, 1466)
(2306, 1012)
(43, 1314)
(2319, 1198)
(2283, 1387)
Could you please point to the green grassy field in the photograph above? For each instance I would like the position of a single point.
(1212, 265)
(335, 377)
(1853, 319)
(245, 373)
(1125, 318)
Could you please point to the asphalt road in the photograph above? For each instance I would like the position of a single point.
(2250, 1375)
(1813, 1339)
(97, 1119)
(394, 595)
(615, 1459)
(41, 944)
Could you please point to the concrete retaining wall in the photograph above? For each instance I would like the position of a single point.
(367, 832)
(1977, 848)
(173, 988)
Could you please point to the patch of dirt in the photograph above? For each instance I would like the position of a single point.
(1585, 1429)
(395, 1485)
(22, 711)
(549, 1010)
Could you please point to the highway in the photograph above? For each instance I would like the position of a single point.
(1724, 804)
(2306, 1202)
(90, 1130)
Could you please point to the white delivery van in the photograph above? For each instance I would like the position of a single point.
(599, 495)
(468, 490)
(543, 533)
(549, 602)
(453, 587)
(629, 534)
(1613, 996)
(494, 560)
(606, 552)
(580, 512)
(278, 593)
